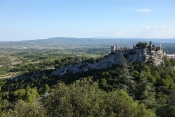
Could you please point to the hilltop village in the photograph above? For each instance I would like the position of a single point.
(146, 52)
(139, 53)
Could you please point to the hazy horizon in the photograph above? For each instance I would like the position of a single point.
(42, 19)
(97, 38)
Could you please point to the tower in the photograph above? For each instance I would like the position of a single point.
(150, 43)
(113, 48)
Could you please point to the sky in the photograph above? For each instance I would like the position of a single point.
(42, 19)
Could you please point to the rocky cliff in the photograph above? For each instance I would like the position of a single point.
(132, 55)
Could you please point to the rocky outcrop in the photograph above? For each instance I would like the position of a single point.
(137, 54)
(115, 58)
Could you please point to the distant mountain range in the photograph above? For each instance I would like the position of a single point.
(65, 42)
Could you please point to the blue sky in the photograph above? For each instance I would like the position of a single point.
(40, 19)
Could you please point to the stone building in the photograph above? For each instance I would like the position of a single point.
(141, 52)
(170, 56)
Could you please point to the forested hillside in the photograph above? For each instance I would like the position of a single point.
(87, 58)
(130, 90)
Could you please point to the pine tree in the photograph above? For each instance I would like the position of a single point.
(145, 92)
(126, 81)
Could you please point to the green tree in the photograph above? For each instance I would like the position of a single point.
(168, 110)
(84, 98)
(126, 81)
(141, 45)
(145, 92)
(167, 61)
(23, 109)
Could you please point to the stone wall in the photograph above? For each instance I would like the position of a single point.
(170, 56)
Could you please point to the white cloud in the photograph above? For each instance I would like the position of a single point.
(147, 32)
(139, 10)
(143, 10)
(160, 27)
(160, 31)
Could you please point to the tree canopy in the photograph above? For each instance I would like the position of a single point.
(141, 45)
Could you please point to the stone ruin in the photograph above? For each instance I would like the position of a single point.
(141, 52)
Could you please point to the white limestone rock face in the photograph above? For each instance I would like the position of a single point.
(133, 55)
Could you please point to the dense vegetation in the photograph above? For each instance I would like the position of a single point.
(137, 90)
(141, 45)
(122, 91)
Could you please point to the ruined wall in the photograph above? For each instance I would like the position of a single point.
(170, 56)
